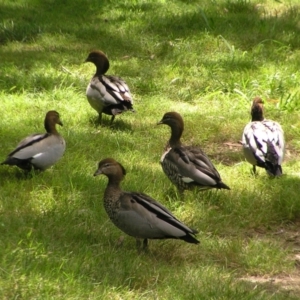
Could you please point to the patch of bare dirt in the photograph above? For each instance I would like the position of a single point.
(290, 236)
(289, 284)
(230, 153)
(227, 153)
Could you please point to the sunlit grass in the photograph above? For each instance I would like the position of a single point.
(206, 61)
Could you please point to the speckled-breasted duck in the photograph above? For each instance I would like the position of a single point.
(263, 141)
(187, 167)
(137, 214)
(107, 94)
(40, 150)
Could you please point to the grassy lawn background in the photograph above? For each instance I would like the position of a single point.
(206, 61)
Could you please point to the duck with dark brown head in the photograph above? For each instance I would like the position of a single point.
(40, 150)
(107, 94)
(137, 214)
(263, 141)
(187, 167)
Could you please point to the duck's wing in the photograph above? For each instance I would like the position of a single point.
(263, 144)
(254, 140)
(25, 151)
(201, 161)
(38, 150)
(111, 90)
(276, 138)
(194, 166)
(144, 217)
(27, 147)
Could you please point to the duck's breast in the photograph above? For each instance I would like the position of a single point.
(95, 93)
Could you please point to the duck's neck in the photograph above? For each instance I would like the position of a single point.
(176, 133)
(257, 113)
(113, 188)
(50, 128)
(101, 67)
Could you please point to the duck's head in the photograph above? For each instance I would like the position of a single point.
(257, 109)
(100, 60)
(111, 168)
(172, 119)
(175, 121)
(52, 118)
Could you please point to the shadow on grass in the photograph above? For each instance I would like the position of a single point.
(259, 202)
(118, 123)
(243, 24)
(77, 231)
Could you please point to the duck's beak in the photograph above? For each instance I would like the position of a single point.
(98, 172)
(160, 122)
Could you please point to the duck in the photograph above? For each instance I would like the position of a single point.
(107, 94)
(137, 214)
(187, 167)
(263, 141)
(39, 151)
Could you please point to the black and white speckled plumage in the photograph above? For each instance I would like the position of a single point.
(107, 94)
(40, 150)
(187, 166)
(137, 214)
(263, 141)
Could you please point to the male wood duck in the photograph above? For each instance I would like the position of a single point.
(263, 141)
(105, 93)
(39, 151)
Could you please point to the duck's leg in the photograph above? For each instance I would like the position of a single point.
(254, 170)
(145, 244)
(141, 247)
(99, 121)
(28, 174)
(112, 119)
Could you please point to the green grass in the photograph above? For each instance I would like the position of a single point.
(206, 61)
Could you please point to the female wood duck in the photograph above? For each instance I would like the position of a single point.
(40, 150)
(137, 214)
(263, 141)
(107, 94)
(187, 167)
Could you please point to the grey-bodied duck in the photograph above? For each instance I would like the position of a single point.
(107, 94)
(40, 150)
(187, 167)
(137, 214)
